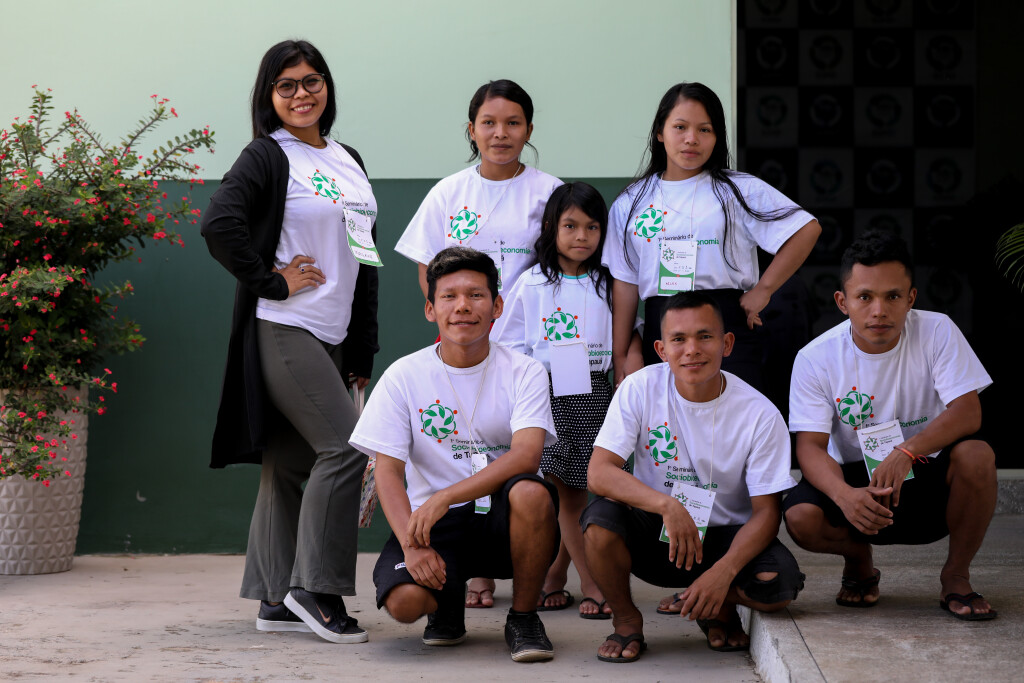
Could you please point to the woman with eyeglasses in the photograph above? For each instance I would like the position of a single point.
(304, 329)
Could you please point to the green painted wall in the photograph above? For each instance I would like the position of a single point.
(148, 485)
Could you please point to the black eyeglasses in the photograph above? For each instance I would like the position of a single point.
(287, 87)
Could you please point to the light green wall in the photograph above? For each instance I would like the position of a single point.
(406, 69)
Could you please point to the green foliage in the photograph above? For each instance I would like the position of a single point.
(70, 205)
(1010, 255)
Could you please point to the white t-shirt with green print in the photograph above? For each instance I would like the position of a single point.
(689, 210)
(322, 183)
(671, 439)
(500, 217)
(414, 415)
(836, 388)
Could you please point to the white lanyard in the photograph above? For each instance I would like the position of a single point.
(714, 420)
(486, 219)
(341, 161)
(558, 309)
(664, 204)
(903, 341)
(458, 402)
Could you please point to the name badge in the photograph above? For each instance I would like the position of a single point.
(483, 504)
(697, 501)
(360, 238)
(493, 251)
(678, 265)
(570, 367)
(877, 442)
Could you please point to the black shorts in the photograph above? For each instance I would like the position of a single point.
(649, 554)
(470, 544)
(919, 518)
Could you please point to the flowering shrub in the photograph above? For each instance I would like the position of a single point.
(71, 204)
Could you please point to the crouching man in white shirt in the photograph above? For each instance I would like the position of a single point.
(702, 508)
(885, 409)
(465, 422)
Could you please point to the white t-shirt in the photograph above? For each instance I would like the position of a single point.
(689, 210)
(837, 388)
(321, 184)
(670, 438)
(414, 416)
(500, 217)
(534, 307)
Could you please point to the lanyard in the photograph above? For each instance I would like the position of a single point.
(333, 152)
(693, 197)
(458, 401)
(903, 341)
(714, 420)
(487, 218)
(586, 286)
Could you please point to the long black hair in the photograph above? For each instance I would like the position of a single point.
(505, 89)
(717, 164)
(285, 55)
(588, 200)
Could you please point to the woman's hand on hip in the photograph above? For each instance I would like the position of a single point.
(300, 273)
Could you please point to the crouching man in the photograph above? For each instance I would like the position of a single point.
(711, 455)
(885, 409)
(464, 422)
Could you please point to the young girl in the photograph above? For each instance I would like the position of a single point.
(689, 222)
(494, 206)
(559, 312)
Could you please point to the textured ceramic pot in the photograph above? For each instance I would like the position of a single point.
(39, 524)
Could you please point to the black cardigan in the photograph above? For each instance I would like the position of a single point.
(242, 227)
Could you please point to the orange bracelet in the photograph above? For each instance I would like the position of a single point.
(915, 458)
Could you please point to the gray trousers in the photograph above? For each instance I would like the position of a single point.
(305, 539)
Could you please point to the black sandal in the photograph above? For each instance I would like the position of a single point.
(861, 587)
(967, 601)
(731, 626)
(624, 641)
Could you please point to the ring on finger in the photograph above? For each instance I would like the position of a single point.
(302, 269)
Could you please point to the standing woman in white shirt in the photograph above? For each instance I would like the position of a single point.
(494, 206)
(303, 329)
(688, 221)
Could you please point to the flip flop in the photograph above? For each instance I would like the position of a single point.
(861, 587)
(727, 626)
(967, 600)
(600, 614)
(480, 604)
(569, 600)
(675, 599)
(624, 641)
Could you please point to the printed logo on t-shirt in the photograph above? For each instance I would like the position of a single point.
(438, 421)
(561, 325)
(649, 223)
(464, 224)
(661, 444)
(855, 408)
(324, 186)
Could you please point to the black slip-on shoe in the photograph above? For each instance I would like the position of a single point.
(326, 616)
(279, 618)
(527, 641)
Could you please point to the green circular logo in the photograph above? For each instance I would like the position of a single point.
(325, 186)
(464, 224)
(649, 223)
(854, 408)
(438, 421)
(661, 444)
(560, 325)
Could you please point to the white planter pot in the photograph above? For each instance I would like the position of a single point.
(39, 524)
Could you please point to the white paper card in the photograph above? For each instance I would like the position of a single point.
(877, 442)
(678, 266)
(360, 238)
(570, 367)
(483, 504)
(697, 501)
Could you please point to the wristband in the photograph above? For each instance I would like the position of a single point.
(914, 458)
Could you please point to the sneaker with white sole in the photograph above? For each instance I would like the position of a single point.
(446, 626)
(326, 616)
(279, 618)
(527, 641)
